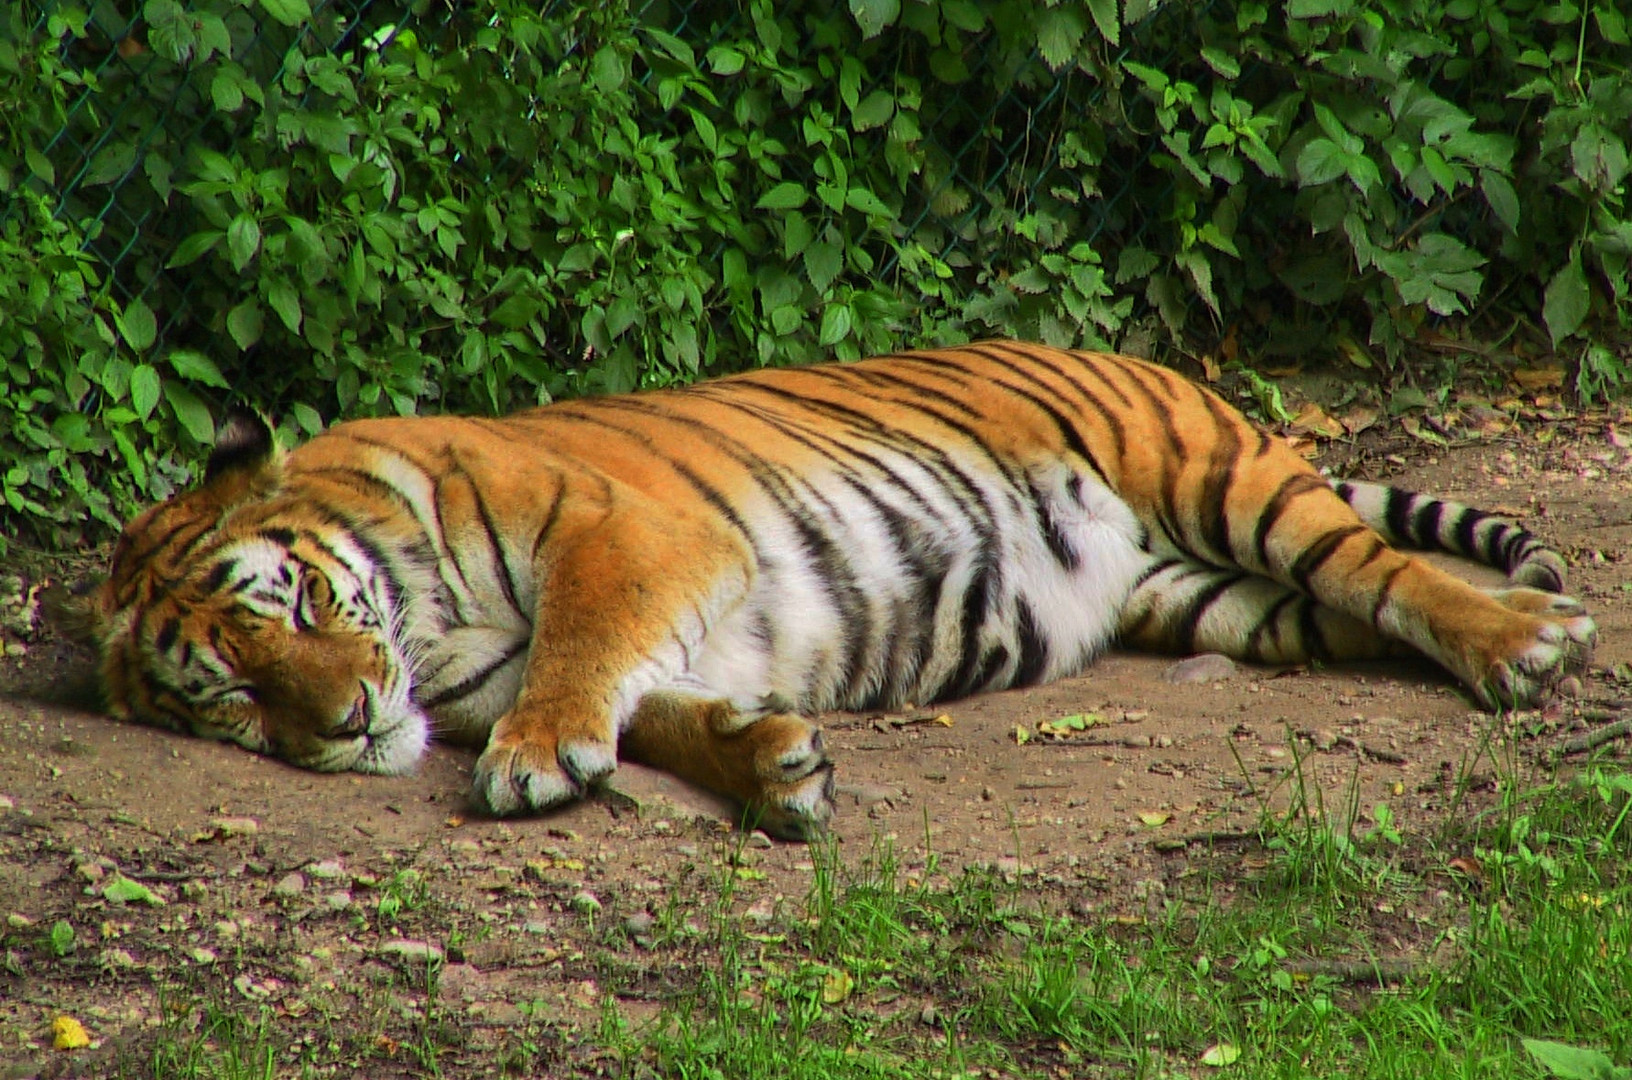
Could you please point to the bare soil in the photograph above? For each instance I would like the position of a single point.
(284, 890)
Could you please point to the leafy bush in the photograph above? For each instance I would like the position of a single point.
(353, 210)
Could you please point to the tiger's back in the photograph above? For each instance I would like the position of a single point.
(687, 569)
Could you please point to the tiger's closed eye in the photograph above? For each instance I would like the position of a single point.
(311, 594)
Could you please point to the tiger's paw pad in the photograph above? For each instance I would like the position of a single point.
(1562, 645)
(514, 778)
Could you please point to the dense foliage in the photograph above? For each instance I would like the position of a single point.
(355, 210)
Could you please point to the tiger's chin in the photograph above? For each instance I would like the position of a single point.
(395, 750)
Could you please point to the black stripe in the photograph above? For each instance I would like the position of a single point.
(1315, 555)
(1398, 514)
(1198, 606)
(1033, 646)
(1425, 523)
(1466, 539)
(476, 680)
(1291, 487)
(1383, 594)
(167, 634)
(1215, 490)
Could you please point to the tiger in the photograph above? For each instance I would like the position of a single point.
(687, 576)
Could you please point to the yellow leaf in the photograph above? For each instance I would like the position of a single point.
(1021, 735)
(836, 986)
(1154, 818)
(68, 1034)
(1221, 1054)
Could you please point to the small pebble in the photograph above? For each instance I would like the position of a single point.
(290, 885)
(1208, 667)
(326, 870)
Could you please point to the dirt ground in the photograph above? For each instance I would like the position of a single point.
(287, 890)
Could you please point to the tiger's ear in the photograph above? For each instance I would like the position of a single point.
(245, 463)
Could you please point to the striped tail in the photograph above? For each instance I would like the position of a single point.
(1408, 519)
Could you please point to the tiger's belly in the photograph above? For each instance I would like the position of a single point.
(865, 600)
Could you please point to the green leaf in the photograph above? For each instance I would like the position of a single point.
(144, 390)
(874, 15)
(1321, 161)
(607, 70)
(137, 325)
(194, 365)
(194, 248)
(40, 165)
(122, 890)
(1503, 200)
(723, 60)
(823, 261)
(1567, 301)
(245, 323)
(1317, 9)
(836, 321)
(1574, 1062)
(127, 450)
(288, 12)
(110, 163)
(873, 111)
(191, 413)
(286, 302)
(784, 196)
(1599, 158)
(858, 198)
(1059, 32)
(964, 14)
(1105, 20)
(243, 240)
(310, 421)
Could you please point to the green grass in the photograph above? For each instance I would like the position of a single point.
(1338, 943)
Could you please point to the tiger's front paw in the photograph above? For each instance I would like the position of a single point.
(517, 774)
(1562, 643)
(792, 778)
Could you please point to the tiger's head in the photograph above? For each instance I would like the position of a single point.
(238, 611)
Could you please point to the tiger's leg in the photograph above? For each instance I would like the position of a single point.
(1184, 607)
(628, 591)
(772, 763)
(1281, 519)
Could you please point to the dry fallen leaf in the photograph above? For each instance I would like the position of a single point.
(1359, 418)
(1315, 420)
(1543, 378)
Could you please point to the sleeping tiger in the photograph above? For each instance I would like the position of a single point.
(683, 575)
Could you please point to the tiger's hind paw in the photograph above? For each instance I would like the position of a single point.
(1538, 602)
(1562, 644)
(515, 776)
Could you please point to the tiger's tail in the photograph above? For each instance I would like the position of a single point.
(1426, 523)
